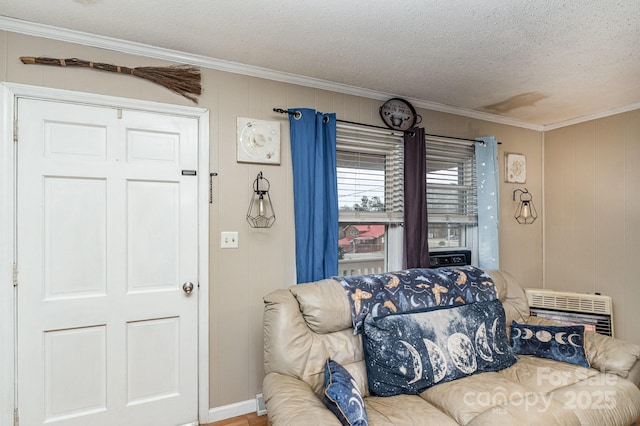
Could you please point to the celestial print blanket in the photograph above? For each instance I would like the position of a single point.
(410, 352)
(415, 290)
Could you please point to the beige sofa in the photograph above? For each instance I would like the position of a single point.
(307, 323)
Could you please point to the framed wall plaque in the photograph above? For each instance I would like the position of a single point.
(258, 141)
(515, 170)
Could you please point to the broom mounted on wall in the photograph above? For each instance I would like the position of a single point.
(181, 79)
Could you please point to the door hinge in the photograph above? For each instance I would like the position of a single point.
(211, 175)
(16, 418)
(15, 275)
(15, 131)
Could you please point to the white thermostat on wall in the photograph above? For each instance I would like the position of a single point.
(258, 141)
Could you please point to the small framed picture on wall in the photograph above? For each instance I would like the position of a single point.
(515, 168)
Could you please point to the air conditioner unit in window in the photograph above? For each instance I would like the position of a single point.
(438, 259)
(594, 311)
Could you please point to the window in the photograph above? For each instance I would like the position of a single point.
(451, 193)
(370, 171)
(369, 164)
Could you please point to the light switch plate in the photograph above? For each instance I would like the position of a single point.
(228, 239)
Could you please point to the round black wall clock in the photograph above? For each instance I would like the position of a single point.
(399, 114)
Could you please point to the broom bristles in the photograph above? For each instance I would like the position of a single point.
(181, 79)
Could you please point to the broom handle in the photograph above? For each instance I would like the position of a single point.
(75, 62)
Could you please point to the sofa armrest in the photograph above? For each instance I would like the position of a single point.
(604, 353)
(291, 401)
(609, 354)
(634, 374)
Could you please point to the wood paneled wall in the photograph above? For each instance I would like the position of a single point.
(264, 260)
(592, 213)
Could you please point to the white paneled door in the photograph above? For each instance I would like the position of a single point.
(107, 252)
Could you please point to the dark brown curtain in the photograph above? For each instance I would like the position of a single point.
(416, 243)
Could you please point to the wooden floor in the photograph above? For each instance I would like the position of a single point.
(247, 420)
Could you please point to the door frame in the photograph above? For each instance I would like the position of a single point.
(9, 94)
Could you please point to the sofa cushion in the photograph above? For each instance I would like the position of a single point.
(468, 397)
(512, 296)
(405, 410)
(409, 352)
(323, 306)
(561, 343)
(545, 375)
(341, 395)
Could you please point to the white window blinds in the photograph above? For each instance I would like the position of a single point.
(370, 169)
(451, 181)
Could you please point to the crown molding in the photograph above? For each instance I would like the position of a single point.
(590, 117)
(134, 48)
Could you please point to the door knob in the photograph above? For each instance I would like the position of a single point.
(187, 287)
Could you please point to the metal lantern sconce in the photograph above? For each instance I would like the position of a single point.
(260, 213)
(526, 212)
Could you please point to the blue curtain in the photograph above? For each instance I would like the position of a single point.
(488, 214)
(315, 193)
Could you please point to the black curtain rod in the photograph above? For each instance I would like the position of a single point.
(284, 111)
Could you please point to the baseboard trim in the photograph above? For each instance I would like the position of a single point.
(232, 410)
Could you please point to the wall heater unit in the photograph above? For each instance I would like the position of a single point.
(594, 311)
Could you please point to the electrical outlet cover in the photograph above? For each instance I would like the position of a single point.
(228, 240)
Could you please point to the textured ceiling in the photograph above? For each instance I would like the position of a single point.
(540, 62)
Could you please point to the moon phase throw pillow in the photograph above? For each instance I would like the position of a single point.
(561, 343)
(410, 352)
(341, 395)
